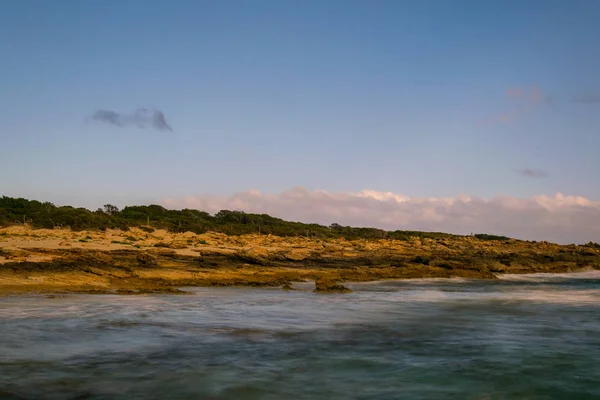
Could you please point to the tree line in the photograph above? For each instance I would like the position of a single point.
(47, 215)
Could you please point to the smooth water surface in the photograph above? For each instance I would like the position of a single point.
(523, 337)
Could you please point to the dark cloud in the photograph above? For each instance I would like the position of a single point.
(532, 173)
(143, 118)
(587, 98)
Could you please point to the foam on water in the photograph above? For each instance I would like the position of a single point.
(570, 297)
(542, 277)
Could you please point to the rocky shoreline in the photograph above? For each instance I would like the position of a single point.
(136, 261)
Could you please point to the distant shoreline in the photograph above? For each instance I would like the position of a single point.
(135, 261)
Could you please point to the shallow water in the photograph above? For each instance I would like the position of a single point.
(523, 337)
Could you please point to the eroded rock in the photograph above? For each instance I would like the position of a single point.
(328, 285)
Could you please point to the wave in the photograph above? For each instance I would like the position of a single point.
(415, 281)
(557, 296)
(564, 297)
(550, 277)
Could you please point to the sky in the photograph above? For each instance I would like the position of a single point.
(427, 114)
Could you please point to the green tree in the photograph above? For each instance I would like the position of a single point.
(110, 209)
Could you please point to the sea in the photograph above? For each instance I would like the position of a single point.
(519, 337)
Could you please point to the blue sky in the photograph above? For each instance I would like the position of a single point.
(424, 98)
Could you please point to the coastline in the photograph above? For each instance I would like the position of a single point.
(55, 261)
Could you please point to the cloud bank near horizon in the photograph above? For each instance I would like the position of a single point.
(558, 218)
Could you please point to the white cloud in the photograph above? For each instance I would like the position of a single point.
(558, 218)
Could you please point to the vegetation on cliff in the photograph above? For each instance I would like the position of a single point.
(158, 250)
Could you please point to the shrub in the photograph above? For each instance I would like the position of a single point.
(485, 236)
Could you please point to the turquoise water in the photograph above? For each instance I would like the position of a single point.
(527, 337)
